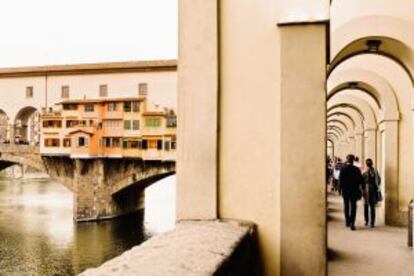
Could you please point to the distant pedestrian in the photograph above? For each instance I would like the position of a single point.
(371, 191)
(350, 183)
(357, 163)
(337, 170)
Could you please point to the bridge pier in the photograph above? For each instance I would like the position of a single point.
(93, 198)
(103, 188)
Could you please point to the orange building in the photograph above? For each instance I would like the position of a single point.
(112, 128)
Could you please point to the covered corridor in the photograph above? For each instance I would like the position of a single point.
(379, 251)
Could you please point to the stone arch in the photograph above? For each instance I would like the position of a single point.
(393, 38)
(337, 129)
(343, 117)
(369, 82)
(361, 106)
(340, 122)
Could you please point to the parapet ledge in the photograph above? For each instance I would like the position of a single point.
(219, 247)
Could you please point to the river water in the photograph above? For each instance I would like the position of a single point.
(38, 235)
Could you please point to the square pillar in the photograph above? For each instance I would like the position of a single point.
(197, 110)
(303, 117)
(370, 145)
(389, 134)
(359, 146)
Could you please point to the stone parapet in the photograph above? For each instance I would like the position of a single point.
(192, 248)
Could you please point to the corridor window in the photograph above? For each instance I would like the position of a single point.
(64, 92)
(103, 90)
(127, 124)
(135, 124)
(29, 92)
(143, 89)
(89, 108)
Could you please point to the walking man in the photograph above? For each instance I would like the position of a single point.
(350, 183)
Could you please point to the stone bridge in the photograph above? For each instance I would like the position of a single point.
(102, 188)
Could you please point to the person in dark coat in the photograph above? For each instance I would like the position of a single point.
(350, 183)
(370, 192)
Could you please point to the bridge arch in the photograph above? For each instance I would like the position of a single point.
(26, 125)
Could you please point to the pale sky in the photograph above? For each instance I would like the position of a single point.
(40, 32)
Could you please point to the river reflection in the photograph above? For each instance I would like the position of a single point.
(39, 237)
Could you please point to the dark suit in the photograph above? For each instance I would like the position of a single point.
(350, 181)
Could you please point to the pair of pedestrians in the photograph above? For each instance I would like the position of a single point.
(354, 185)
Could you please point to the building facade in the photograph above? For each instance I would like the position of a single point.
(111, 128)
(27, 91)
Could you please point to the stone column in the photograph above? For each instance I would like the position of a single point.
(359, 146)
(352, 145)
(393, 216)
(12, 133)
(303, 207)
(370, 144)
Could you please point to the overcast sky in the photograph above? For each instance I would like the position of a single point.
(40, 32)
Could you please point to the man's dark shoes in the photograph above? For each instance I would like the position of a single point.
(366, 223)
(372, 225)
(352, 227)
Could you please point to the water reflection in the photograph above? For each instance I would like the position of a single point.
(38, 236)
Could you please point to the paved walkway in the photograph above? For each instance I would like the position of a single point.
(379, 251)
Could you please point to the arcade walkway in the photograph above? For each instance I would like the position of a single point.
(380, 251)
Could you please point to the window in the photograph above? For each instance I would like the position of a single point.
(82, 141)
(159, 144)
(172, 121)
(103, 90)
(64, 92)
(70, 107)
(167, 145)
(52, 142)
(143, 89)
(134, 144)
(116, 142)
(66, 142)
(127, 124)
(152, 122)
(144, 144)
(112, 142)
(127, 106)
(135, 106)
(112, 123)
(29, 92)
(135, 124)
(173, 145)
(52, 124)
(89, 107)
(152, 144)
(112, 106)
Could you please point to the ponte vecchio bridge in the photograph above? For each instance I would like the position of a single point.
(99, 129)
